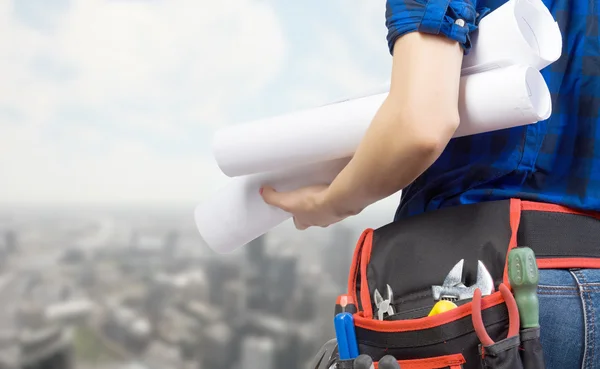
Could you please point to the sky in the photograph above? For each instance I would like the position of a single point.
(116, 101)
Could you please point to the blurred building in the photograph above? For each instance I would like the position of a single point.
(218, 347)
(255, 274)
(203, 312)
(303, 306)
(10, 241)
(234, 300)
(270, 279)
(171, 243)
(337, 255)
(163, 355)
(147, 252)
(49, 348)
(218, 273)
(325, 299)
(258, 352)
(281, 282)
(37, 343)
(128, 329)
(70, 312)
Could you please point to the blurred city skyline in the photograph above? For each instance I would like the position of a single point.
(120, 289)
(107, 110)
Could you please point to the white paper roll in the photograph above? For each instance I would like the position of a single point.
(237, 213)
(518, 32)
(313, 135)
(489, 101)
(519, 96)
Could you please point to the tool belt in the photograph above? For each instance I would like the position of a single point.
(395, 267)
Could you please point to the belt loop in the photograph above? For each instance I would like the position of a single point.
(434, 14)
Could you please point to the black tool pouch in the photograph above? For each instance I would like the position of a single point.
(416, 253)
(502, 355)
(532, 354)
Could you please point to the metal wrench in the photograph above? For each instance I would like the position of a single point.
(454, 289)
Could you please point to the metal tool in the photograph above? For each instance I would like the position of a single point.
(384, 306)
(454, 289)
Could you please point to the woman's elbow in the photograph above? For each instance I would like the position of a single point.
(432, 131)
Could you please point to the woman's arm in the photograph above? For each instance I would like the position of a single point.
(408, 133)
(410, 130)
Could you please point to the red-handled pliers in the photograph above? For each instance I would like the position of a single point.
(513, 316)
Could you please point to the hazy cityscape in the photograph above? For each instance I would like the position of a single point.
(108, 288)
(117, 102)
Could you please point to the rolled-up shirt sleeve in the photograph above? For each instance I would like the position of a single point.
(455, 19)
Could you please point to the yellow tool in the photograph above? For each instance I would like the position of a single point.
(441, 307)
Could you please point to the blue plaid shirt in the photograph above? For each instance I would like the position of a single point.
(555, 161)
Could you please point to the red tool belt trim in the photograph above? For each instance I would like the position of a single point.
(362, 321)
(365, 295)
(561, 237)
(353, 280)
(441, 362)
(567, 263)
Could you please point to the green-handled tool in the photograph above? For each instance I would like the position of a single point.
(524, 278)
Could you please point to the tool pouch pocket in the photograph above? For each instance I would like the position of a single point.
(502, 355)
(411, 256)
(532, 354)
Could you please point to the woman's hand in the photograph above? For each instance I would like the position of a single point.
(310, 206)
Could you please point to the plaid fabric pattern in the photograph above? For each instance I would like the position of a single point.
(555, 161)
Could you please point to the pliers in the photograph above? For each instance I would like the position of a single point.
(513, 316)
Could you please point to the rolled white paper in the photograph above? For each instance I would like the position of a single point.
(325, 133)
(237, 214)
(497, 99)
(518, 32)
(519, 96)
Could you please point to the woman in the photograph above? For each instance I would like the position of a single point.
(408, 147)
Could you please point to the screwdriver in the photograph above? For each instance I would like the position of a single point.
(524, 277)
(346, 336)
(345, 304)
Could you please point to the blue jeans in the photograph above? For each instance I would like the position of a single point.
(570, 318)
